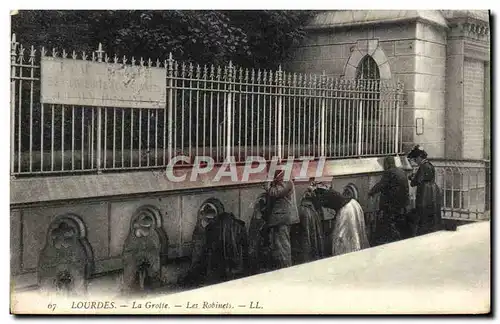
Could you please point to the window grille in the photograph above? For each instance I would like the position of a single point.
(368, 69)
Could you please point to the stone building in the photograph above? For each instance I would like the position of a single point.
(441, 56)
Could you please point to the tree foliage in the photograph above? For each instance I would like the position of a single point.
(257, 38)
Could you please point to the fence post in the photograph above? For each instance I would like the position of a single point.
(280, 113)
(323, 115)
(99, 120)
(229, 108)
(170, 108)
(13, 103)
(399, 89)
(359, 90)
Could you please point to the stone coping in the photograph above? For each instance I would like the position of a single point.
(347, 18)
(27, 191)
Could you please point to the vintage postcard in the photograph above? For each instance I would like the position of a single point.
(250, 162)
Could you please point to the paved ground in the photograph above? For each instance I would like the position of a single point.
(443, 272)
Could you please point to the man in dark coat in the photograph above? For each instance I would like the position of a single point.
(258, 237)
(283, 212)
(227, 248)
(197, 273)
(220, 250)
(394, 198)
(311, 242)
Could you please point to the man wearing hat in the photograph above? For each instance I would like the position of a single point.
(394, 198)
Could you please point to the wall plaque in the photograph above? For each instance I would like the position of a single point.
(85, 83)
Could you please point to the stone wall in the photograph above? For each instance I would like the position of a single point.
(107, 219)
(331, 50)
(428, 90)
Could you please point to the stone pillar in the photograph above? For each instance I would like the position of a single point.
(487, 111)
(467, 106)
(429, 89)
(467, 90)
(454, 98)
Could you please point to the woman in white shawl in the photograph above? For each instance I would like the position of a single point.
(349, 230)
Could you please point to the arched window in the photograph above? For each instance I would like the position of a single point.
(368, 69)
(368, 116)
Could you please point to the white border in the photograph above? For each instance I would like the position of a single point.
(185, 4)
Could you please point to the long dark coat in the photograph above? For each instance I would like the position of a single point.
(394, 192)
(428, 199)
(259, 246)
(393, 188)
(227, 248)
(220, 251)
(310, 233)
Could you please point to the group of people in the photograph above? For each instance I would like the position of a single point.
(397, 220)
(330, 223)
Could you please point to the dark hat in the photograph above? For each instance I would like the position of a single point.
(330, 198)
(417, 151)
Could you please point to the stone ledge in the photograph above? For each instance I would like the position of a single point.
(26, 191)
(459, 163)
(477, 51)
(350, 18)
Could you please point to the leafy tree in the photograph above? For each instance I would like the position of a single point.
(271, 34)
(258, 38)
